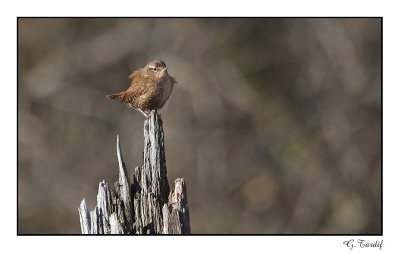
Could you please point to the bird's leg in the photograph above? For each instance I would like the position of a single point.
(146, 115)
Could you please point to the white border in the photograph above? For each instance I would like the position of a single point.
(199, 8)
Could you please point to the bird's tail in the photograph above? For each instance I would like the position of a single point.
(117, 95)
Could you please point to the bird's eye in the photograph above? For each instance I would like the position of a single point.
(155, 69)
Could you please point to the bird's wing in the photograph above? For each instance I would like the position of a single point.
(134, 91)
(135, 74)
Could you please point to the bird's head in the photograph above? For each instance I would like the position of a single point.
(156, 68)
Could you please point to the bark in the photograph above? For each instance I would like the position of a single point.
(146, 206)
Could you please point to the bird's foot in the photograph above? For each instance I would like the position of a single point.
(144, 114)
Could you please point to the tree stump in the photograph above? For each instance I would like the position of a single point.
(147, 206)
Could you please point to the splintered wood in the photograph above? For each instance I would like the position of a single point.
(146, 206)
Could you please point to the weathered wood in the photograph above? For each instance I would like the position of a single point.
(146, 206)
(176, 212)
(84, 217)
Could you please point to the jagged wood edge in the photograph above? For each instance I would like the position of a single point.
(172, 218)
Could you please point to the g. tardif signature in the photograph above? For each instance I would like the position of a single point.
(363, 244)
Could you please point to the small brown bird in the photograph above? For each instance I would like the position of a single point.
(150, 88)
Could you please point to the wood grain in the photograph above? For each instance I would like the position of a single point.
(145, 206)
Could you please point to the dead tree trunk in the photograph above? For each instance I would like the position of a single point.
(146, 206)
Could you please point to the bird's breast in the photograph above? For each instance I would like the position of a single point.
(157, 93)
(166, 89)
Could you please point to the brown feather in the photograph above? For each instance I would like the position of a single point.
(150, 87)
(114, 96)
(134, 74)
(136, 89)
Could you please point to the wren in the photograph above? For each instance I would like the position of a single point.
(150, 88)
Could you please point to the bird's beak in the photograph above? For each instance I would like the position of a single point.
(165, 69)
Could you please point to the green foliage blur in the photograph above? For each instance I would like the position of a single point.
(275, 123)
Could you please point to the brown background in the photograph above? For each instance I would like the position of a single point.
(275, 124)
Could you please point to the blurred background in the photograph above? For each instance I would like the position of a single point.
(275, 124)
